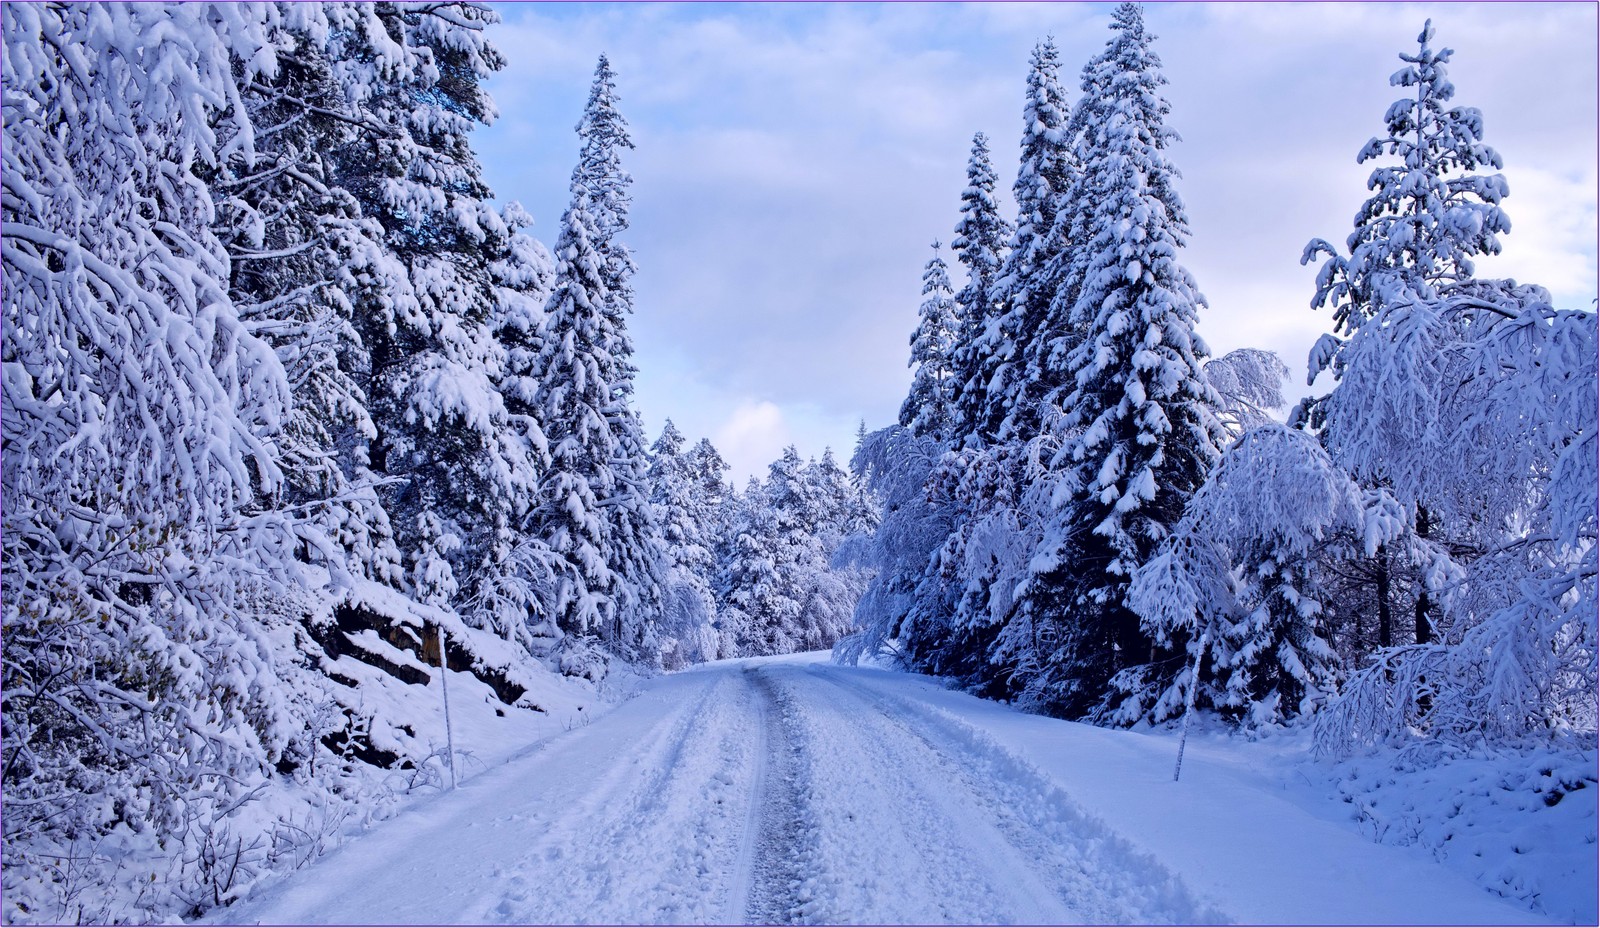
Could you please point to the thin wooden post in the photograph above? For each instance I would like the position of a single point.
(444, 688)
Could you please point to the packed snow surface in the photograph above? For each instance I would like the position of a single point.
(794, 790)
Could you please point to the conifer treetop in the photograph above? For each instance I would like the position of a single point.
(1428, 214)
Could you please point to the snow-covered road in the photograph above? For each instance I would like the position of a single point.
(794, 791)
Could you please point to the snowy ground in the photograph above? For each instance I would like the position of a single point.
(777, 790)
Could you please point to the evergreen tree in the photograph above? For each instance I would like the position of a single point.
(981, 237)
(986, 486)
(753, 605)
(707, 471)
(672, 491)
(929, 409)
(777, 578)
(979, 245)
(1426, 219)
(1026, 376)
(1141, 424)
(303, 259)
(1429, 215)
(604, 134)
(1066, 259)
(414, 76)
(633, 539)
(843, 506)
(518, 573)
(523, 278)
(572, 399)
(688, 629)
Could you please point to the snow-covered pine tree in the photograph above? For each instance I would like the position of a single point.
(304, 261)
(518, 575)
(688, 633)
(1235, 583)
(1428, 216)
(442, 427)
(632, 537)
(983, 554)
(929, 409)
(777, 578)
(797, 506)
(572, 399)
(1031, 275)
(844, 508)
(523, 277)
(604, 134)
(980, 246)
(354, 131)
(1140, 424)
(708, 471)
(1066, 257)
(713, 506)
(753, 604)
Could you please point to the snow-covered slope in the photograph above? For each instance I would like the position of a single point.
(794, 790)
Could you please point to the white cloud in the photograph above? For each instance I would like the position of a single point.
(751, 438)
(1551, 216)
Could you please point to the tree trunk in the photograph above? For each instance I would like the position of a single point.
(1424, 626)
(1385, 616)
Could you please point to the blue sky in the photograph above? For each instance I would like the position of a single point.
(795, 161)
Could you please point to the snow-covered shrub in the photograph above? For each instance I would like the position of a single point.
(1235, 581)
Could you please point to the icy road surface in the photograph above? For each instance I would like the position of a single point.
(794, 791)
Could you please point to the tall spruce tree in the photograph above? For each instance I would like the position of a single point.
(414, 74)
(1141, 428)
(688, 631)
(987, 486)
(603, 133)
(929, 409)
(980, 246)
(303, 262)
(632, 536)
(1066, 262)
(572, 400)
(1428, 216)
(1025, 376)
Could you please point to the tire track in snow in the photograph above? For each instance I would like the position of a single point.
(777, 830)
(1090, 867)
(897, 840)
(653, 842)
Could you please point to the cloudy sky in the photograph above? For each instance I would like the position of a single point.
(795, 161)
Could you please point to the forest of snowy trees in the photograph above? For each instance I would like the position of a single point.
(1086, 513)
(291, 409)
(295, 416)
